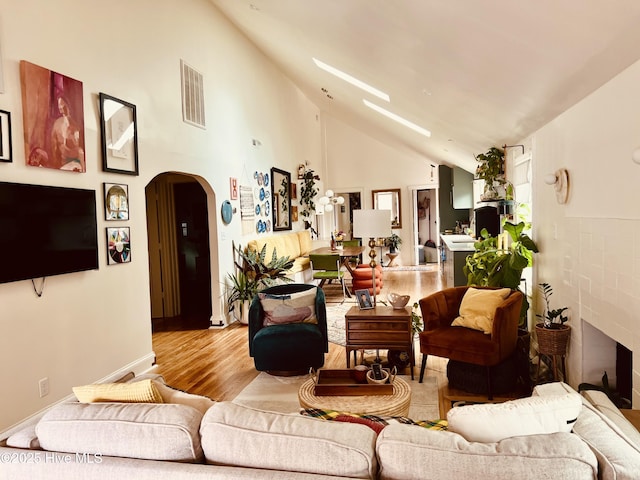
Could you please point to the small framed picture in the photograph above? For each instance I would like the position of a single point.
(5, 136)
(364, 299)
(119, 129)
(118, 245)
(116, 201)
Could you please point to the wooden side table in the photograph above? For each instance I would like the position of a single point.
(380, 328)
(392, 259)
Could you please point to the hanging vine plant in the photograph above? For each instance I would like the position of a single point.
(308, 191)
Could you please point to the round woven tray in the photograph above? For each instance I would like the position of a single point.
(396, 404)
(552, 341)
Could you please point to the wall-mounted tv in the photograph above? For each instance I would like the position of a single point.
(46, 231)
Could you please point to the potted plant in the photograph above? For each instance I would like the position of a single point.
(552, 333)
(491, 266)
(308, 191)
(253, 273)
(491, 170)
(393, 242)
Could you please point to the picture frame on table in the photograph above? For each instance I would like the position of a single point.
(116, 201)
(119, 131)
(364, 299)
(6, 146)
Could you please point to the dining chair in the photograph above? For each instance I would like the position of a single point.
(356, 242)
(327, 267)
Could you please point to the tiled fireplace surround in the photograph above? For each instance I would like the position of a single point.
(599, 279)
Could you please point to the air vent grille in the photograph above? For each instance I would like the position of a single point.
(192, 95)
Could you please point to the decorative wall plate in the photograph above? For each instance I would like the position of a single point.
(227, 212)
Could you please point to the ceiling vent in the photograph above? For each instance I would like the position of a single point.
(192, 95)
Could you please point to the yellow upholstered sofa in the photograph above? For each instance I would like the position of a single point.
(295, 245)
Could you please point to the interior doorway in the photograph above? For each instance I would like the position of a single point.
(425, 225)
(179, 245)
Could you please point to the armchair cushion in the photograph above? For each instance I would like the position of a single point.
(478, 308)
(289, 307)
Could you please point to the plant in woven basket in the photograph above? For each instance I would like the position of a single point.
(552, 318)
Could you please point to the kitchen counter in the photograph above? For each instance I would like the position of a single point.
(456, 248)
(458, 243)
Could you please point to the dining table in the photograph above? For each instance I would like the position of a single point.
(345, 252)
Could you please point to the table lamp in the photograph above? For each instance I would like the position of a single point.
(372, 224)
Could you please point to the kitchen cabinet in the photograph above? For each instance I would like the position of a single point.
(462, 189)
(448, 215)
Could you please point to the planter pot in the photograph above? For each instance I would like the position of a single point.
(241, 311)
(553, 341)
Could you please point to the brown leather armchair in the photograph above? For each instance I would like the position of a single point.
(465, 344)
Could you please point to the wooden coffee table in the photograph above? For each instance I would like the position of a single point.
(396, 404)
(379, 328)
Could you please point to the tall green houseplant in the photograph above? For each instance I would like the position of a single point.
(491, 169)
(490, 266)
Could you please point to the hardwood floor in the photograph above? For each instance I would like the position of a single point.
(216, 362)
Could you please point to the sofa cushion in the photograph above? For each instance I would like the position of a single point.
(143, 391)
(618, 456)
(601, 402)
(244, 437)
(478, 307)
(408, 452)
(152, 431)
(306, 244)
(524, 416)
(297, 307)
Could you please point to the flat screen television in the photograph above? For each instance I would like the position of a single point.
(46, 231)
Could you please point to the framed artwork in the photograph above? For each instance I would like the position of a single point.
(5, 137)
(116, 201)
(281, 207)
(364, 299)
(53, 117)
(294, 213)
(294, 191)
(119, 130)
(118, 245)
(233, 188)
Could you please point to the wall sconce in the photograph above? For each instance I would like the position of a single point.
(560, 180)
(635, 155)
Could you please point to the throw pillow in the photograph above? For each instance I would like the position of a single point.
(525, 416)
(144, 391)
(478, 308)
(297, 307)
(173, 395)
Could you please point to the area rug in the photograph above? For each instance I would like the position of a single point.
(280, 394)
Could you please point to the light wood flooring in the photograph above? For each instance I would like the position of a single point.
(216, 362)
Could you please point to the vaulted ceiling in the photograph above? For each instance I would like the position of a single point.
(475, 73)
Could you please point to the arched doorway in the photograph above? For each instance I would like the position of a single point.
(182, 244)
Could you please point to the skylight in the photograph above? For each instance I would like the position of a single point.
(398, 118)
(352, 80)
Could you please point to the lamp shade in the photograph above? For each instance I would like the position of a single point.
(372, 223)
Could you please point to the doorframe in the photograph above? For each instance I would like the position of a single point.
(217, 318)
(413, 189)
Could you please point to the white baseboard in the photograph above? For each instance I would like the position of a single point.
(141, 365)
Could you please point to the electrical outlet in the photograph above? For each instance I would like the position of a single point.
(43, 386)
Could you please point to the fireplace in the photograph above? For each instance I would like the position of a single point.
(600, 354)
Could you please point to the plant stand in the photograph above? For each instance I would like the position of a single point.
(553, 342)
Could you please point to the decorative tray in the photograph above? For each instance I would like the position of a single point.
(343, 382)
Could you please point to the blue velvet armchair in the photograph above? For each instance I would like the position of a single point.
(291, 348)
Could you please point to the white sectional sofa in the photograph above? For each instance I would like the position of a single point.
(196, 438)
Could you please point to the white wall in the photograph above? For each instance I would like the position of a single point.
(90, 325)
(588, 247)
(357, 160)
